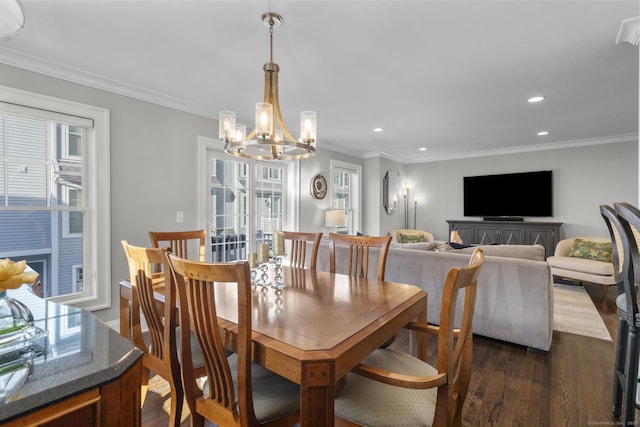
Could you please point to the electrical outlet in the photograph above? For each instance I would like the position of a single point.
(179, 217)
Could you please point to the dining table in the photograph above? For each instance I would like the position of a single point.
(314, 330)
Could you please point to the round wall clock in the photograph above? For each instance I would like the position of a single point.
(318, 187)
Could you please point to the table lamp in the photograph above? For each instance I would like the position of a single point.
(334, 219)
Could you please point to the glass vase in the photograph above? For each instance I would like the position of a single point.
(17, 331)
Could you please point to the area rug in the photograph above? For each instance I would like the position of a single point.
(575, 313)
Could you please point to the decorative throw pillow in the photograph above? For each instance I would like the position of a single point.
(599, 251)
(411, 238)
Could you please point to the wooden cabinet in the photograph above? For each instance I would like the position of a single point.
(114, 404)
(546, 234)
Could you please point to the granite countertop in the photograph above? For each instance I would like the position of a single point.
(80, 353)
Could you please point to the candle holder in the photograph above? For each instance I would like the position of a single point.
(263, 271)
(278, 280)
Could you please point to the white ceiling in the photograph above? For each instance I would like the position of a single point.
(453, 76)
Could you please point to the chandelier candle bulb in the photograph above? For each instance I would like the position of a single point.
(264, 120)
(278, 243)
(263, 252)
(240, 134)
(227, 125)
(308, 126)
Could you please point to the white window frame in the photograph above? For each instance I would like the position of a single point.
(356, 211)
(96, 293)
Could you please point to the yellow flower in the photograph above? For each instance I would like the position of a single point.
(12, 274)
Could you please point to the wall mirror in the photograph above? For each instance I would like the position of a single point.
(389, 192)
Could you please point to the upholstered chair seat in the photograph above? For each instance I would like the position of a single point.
(273, 395)
(388, 405)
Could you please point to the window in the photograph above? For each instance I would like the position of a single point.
(54, 194)
(345, 194)
(246, 204)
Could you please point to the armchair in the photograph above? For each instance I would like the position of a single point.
(582, 269)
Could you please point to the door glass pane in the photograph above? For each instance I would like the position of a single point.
(268, 202)
(228, 207)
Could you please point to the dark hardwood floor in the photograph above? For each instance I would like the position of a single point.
(510, 386)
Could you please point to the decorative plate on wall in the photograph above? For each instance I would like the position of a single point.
(318, 187)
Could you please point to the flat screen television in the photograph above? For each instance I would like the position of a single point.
(509, 196)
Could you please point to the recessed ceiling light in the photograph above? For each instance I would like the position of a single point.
(543, 133)
(378, 129)
(422, 148)
(536, 98)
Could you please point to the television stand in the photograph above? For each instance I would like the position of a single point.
(504, 218)
(508, 232)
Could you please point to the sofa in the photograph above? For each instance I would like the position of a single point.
(590, 262)
(514, 300)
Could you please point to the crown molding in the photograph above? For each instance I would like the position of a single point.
(531, 148)
(63, 72)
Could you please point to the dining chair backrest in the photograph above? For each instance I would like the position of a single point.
(298, 248)
(180, 241)
(226, 397)
(455, 342)
(161, 355)
(614, 227)
(358, 253)
(629, 224)
(402, 380)
(625, 377)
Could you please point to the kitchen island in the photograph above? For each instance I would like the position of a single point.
(87, 374)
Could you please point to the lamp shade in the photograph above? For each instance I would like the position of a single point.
(334, 218)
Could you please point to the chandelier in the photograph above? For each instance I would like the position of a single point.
(270, 140)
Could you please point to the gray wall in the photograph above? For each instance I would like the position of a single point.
(583, 179)
(154, 175)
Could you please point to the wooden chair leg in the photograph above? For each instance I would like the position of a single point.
(177, 400)
(144, 384)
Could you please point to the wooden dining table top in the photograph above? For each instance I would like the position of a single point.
(317, 328)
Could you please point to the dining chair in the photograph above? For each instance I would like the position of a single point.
(161, 356)
(180, 241)
(358, 253)
(625, 223)
(298, 248)
(392, 388)
(235, 390)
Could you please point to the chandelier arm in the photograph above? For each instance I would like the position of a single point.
(275, 101)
